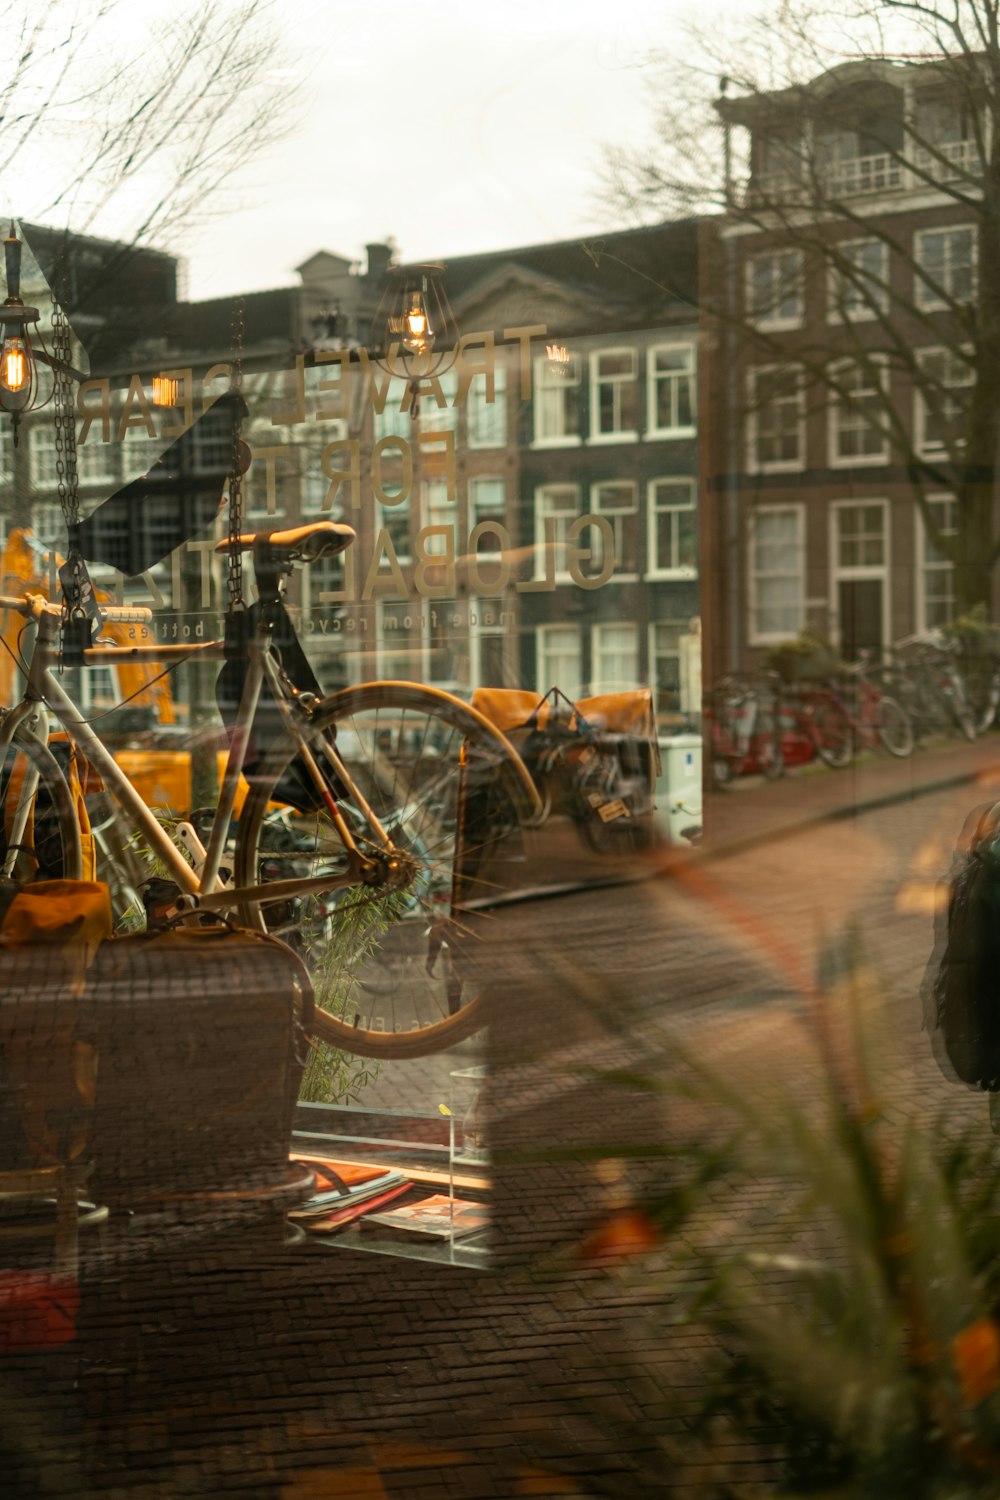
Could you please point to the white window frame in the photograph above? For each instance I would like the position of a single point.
(924, 447)
(924, 295)
(478, 634)
(617, 383)
(548, 383)
(841, 289)
(858, 571)
(212, 431)
(542, 635)
(602, 628)
(877, 369)
(411, 648)
(768, 637)
(775, 466)
(564, 515)
(924, 566)
(674, 378)
(613, 514)
(473, 518)
(683, 627)
(776, 320)
(491, 416)
(655, 510)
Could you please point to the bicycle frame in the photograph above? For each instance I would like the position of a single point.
(201, 888)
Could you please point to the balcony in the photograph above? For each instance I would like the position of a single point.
(960, 158)
(849, 176)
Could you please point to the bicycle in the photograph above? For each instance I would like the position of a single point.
(874, 718)
(744, 737)
(409, 811)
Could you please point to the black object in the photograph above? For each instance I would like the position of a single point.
(130, 531)
(201, 1034)
(965, 971)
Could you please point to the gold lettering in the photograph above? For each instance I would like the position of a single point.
(136, 395)
(351, 475)
(477, 583)
(432, 562)
(524, 337)
(576, 555)
(406, 479)
(384, 548)
(467, 371)
(340, 387)
(102, 410)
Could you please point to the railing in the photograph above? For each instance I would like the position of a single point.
(958, 157)
(847, 175)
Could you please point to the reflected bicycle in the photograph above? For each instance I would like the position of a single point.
(405, 808)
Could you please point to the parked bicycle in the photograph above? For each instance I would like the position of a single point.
(743, 730)
(408, 813)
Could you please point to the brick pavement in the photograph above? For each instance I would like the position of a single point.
(208, 1367)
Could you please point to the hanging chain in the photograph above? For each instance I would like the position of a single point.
(235, 570)
(67, 478)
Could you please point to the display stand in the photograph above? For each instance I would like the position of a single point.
(441, 1153)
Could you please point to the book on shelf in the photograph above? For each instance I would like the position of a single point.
(436, 1218)
(338, 1218)
(344, 1184)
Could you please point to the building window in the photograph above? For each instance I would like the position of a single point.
(860, 535)
(665, 652)
(558, 659)
(936, 584)
(858, 288)
(945, 267)
(321, 580)
(556, 508)
(557, 402)
(673, 533)
(396, 521)
(391, 421)
(436, 418)
(671, 391)
(775, 289)
(616, 499)
(48, 524)
(212, 443)
(776, 572)
(487, 503)
(614, 394)
(398, 657)
(487, 657)
(437, 508)
(486, 421)
(615, 656)
(776, 426)
(99, 688)
(857, 408)
(945, 131)
(42, 455)
(942, 400)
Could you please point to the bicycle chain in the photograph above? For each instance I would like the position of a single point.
(234, 575)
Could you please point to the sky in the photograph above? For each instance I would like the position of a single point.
(450, 127)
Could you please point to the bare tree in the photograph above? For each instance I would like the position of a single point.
(127, 125)
(793, 124)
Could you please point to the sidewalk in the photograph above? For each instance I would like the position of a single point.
(282, 1376)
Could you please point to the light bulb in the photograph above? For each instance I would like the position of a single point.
(15, 371)
(417, 336)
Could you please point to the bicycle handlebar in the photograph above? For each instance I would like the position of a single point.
(112, 614)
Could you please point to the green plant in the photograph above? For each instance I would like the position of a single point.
(862, 1356)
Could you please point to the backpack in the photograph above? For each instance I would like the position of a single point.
(965, 970)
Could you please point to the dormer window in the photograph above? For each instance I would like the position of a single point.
(944, 137)
(860, 141)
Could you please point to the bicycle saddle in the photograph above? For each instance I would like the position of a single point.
(306, 543)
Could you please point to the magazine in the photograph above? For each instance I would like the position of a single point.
(435, 1218)
(341, 1184)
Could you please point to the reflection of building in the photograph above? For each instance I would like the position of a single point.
(843, 357)
(536, 524)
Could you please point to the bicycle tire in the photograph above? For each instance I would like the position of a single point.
(893, 727)
(395, 972)
(50, 847)
(831, 733)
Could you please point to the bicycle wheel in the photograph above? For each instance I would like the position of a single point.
(39, 831)
(893, 727)
(831, 733)
(395, 970)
